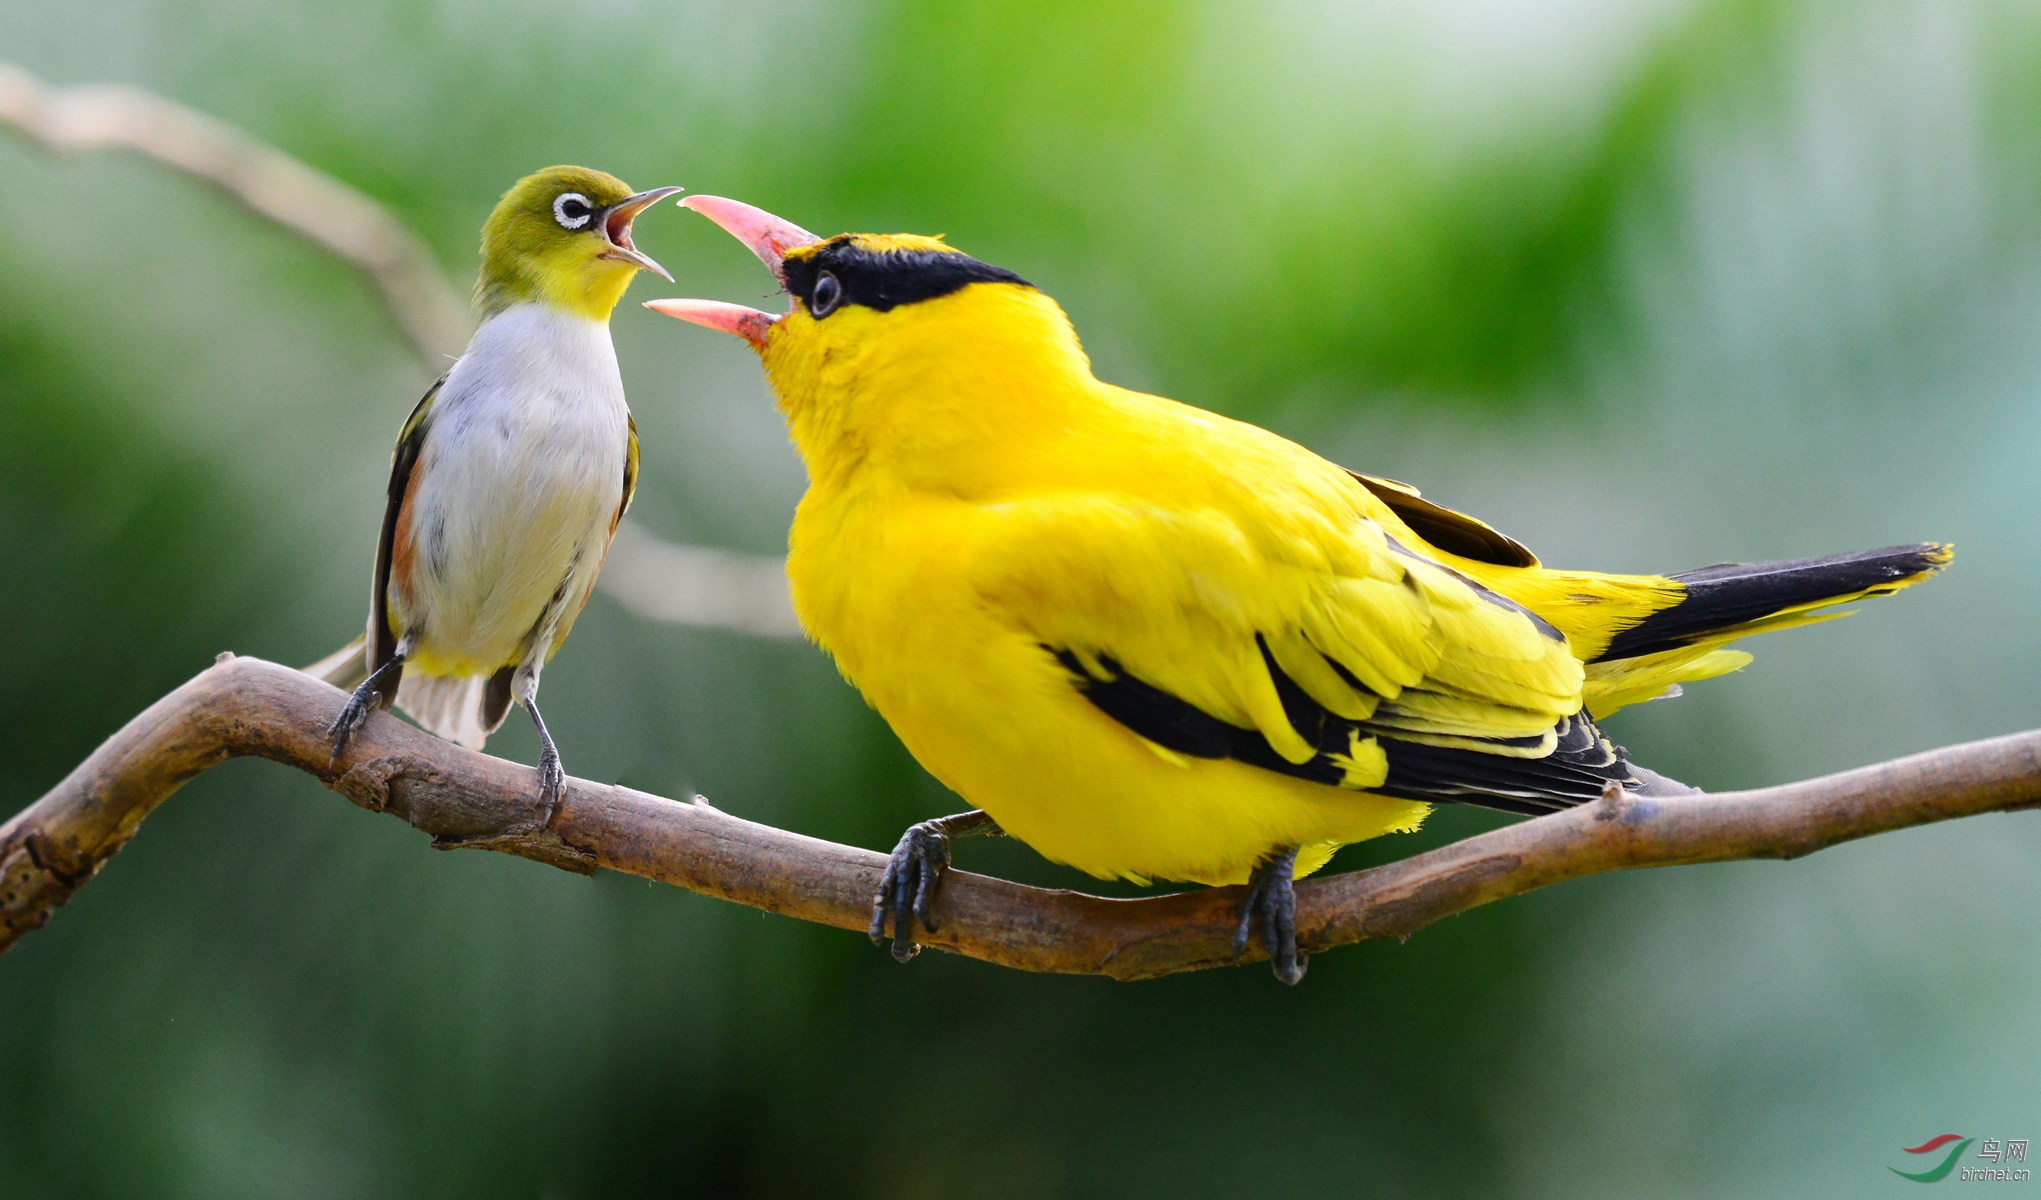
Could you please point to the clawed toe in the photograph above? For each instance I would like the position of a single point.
(1269, 912)
(914, 871)
(552, 781)
(907, 889)
(351, 718)
(374, 693)
(552, 778)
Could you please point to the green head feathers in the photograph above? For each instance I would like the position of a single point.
(562, 237)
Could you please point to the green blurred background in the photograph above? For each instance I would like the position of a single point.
(1651, 285)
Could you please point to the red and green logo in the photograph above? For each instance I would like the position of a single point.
(1941, 1169)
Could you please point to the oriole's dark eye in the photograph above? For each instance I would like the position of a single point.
(572, 210)
(825, 296)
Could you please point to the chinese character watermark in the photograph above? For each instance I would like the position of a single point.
(1938, 1159)
(2012, 1150)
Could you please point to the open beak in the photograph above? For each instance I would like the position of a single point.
(747, 323)
(616, 230)
(763, 234)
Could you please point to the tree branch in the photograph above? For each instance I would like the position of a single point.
(244, 706)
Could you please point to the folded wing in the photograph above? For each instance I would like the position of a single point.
(1305, 640)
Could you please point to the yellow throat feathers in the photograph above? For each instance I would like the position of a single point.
(527, 256)
(940, 388)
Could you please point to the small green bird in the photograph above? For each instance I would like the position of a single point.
(509, 478)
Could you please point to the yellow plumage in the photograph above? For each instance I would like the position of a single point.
(977, 495)
(1155, 643)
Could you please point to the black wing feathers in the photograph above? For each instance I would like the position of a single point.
(496, 699)
(630, 470)
(1579, 767)
(1453, 532)
(1581, 764)
(383, 639)
(1154, 713)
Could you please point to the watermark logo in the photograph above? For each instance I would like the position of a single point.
(2011, 1150)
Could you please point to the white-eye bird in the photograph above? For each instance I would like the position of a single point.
(509, 478)
(1155, 643)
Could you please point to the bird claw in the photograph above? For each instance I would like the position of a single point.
(552, 781)
(1270, 912)
(354, 714)
(907, 890)
(351, 719)
(552, 778)
(367, 698)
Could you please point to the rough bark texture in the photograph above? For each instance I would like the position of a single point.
(244, 706)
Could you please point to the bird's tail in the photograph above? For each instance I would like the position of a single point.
(463, 709)
(458, 708)
(1683, 641)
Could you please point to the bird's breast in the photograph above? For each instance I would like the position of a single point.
(519, 480)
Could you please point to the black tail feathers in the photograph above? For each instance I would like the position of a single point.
(1730, 594)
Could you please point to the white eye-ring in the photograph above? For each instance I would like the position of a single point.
(572, 210)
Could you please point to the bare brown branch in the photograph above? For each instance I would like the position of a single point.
(244, 706)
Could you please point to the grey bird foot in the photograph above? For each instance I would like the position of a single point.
(376, 692)
(1270, 912)
(913, 872)
(552, 780)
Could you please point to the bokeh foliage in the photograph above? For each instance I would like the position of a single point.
(1651, 285)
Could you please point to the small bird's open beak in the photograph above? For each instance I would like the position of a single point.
(765, 235)
(616, 230)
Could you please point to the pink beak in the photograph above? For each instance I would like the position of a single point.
(766, 236)
(747, 323)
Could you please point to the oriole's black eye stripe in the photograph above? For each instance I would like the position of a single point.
(884, 279)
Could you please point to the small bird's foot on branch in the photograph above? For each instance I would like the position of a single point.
(915, 870)
(552, 780)
(552, 777)
(1270, 912)
(376, 692)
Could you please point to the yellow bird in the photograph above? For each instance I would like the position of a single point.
(1155, 643)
